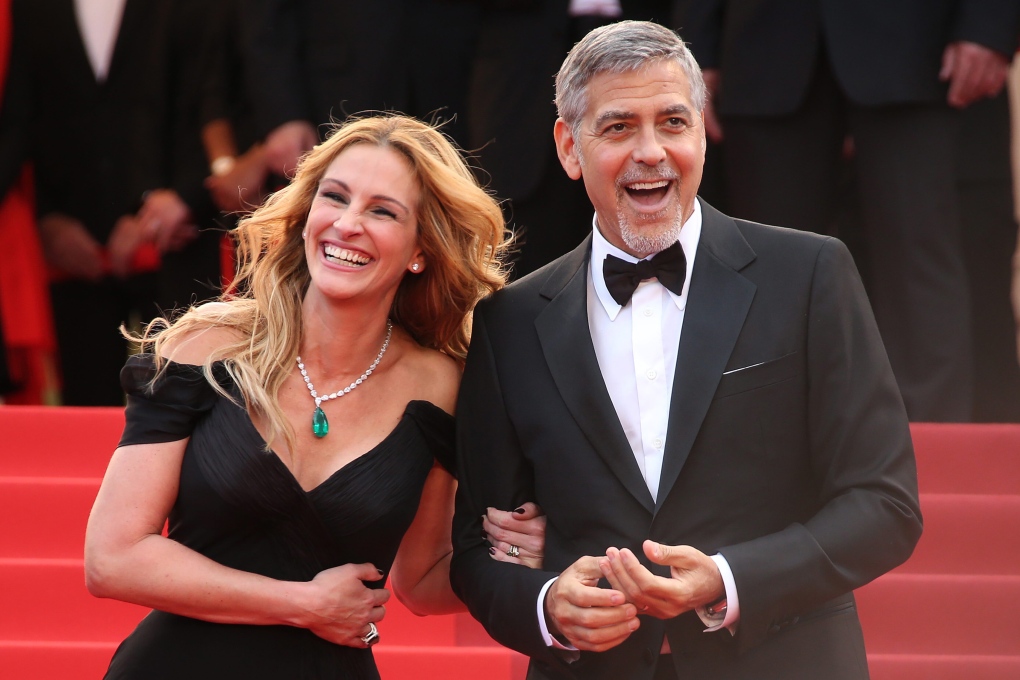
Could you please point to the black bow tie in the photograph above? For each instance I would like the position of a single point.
(622, 278)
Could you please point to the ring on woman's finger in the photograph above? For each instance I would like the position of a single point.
(372, 636)
(513, 551)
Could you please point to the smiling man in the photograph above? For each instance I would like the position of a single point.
(702, 406)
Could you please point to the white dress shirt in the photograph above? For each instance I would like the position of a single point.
(636, 346)
(99, 23)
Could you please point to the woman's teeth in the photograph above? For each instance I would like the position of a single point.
(344, 256)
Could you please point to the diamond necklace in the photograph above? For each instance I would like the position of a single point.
(320, 426)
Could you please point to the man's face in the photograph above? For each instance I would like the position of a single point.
(640, 149)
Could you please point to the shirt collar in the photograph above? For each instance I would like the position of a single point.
(690, 235)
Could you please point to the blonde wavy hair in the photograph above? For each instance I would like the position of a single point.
(460, 231)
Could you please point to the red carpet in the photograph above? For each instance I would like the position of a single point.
(950, 612)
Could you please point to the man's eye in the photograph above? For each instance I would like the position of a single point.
(677, 122)
(616, 127)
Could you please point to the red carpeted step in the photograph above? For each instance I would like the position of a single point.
(71, 661)
(22, 660)
(967, 534)
(941, 614)
(449, 663)
(967, 458)
(45, 516)
(47, 600)
(939, 667)
(40, 441)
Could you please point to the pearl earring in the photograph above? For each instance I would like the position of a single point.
(415, 267)
(304, 234)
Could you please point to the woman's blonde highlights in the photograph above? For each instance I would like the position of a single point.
(460, 230)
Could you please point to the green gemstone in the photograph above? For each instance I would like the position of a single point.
(320, 426)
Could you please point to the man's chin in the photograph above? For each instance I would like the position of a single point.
(649, 234)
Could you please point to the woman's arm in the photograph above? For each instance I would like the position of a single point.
(421, 572)
(420, 577)
(128, 558)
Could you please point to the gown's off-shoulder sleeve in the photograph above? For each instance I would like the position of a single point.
(438, 428)
(166, 410)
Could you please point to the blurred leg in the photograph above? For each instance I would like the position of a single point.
(906, 158)
(989, 238)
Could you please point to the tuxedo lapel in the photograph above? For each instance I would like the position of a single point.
(565, 337)
(135, 21)
(718, 300)
(67, 32)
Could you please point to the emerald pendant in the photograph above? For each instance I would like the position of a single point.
(320, 426)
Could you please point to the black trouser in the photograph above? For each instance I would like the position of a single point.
(91, 350)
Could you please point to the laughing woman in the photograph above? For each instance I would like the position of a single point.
(297, 434)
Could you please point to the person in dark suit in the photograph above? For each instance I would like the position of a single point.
(311, 62)
(520, 45)
(791, 79)
(89, 101)
(715, 430)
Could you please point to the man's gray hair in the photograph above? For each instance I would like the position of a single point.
(618, 48)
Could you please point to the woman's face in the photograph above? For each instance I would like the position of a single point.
(362, 232)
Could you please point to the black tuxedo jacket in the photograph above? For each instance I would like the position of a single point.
(881, 51)
(788, 452)
(323, 60)
(96, 146)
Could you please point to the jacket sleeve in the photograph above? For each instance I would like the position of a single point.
(492, 473)
(700, 24)
(270, 33)
(861, 459)
(992, 23)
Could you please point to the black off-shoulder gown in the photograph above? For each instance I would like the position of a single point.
(240, 506)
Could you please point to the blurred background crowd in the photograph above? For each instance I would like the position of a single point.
(134, 132)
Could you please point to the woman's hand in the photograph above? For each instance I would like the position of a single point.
(524, 528)
(341, 605)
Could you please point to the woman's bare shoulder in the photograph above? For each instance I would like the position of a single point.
(436, 376)
(203, 342)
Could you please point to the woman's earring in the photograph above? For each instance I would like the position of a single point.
(415, 267)
(304, 234)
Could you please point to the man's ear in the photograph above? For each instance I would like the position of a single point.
(566, 149)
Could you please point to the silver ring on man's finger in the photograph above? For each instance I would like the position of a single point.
(373, 635)
(513, 551)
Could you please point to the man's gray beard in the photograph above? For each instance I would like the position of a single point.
(649, 243)
(641, 241)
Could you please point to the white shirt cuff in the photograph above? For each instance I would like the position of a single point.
(550, 641)
(731, 618)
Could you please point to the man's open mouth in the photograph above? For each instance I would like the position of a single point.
(649, 192)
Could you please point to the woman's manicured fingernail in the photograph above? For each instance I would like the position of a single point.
(519, 511)
(492, 551)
